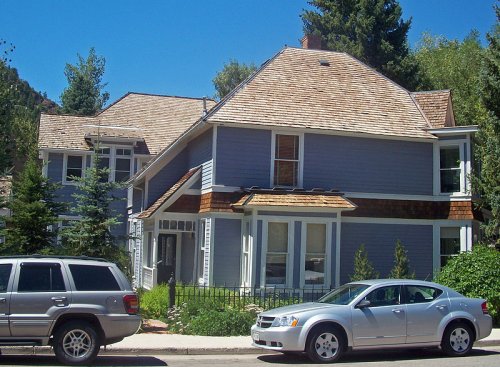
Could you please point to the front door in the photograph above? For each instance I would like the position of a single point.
(167, 244)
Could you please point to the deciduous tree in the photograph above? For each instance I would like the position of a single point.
(231, 75)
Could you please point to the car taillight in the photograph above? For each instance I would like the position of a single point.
(484, 306)
(131, 303)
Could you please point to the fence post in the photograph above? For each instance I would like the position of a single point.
(171, 292)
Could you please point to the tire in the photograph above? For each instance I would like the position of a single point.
(325, 345)
(76, 343)
(457, 340)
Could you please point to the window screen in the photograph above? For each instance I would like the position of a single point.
(40, 278)
(93, 278)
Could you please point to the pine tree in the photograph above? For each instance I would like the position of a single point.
(370, 30)
(363, 268)
(84, 95)
(91, 235)
(34, 211)
(401, 269)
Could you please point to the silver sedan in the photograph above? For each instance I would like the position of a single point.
(376, 314)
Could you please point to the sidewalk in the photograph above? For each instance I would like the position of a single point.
(165, 344)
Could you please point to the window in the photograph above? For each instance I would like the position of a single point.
(421, 294)
(39, 277)
(201, 253)
(384, 296)
(118, 160)
(5, 270)
(449, 163)
(286, 160)
(246, 266)
(149, 250)
(277, 253)
(449, 243)
(74, 167)
(314, 265)
(93, 278)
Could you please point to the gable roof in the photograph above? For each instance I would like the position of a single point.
(155, 120)
(316, 89)
(436, 105)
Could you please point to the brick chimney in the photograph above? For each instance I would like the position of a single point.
(311, 41)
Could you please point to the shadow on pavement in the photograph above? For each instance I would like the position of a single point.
(372, 356)
(48, 360)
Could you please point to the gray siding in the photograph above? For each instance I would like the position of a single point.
(380, 241)
(367, 165)
(187, 258)
(227, 252)
(167, 176)
(200, 149)
(243, 157)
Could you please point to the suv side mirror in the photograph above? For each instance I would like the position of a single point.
(363, 304)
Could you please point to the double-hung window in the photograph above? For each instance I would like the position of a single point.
(277, 253)
(286, 160)
(449, 243)
(74, 168)
(315, 256)
(450, 168)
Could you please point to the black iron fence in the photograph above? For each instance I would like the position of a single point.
(243, 297)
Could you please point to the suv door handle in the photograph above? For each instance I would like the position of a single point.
(398, 310)
(60, 301)
(3, 300)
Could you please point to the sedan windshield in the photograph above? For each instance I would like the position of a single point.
(343, 295)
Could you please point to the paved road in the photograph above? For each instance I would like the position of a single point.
(483, 357)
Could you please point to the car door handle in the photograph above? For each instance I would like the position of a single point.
(398, 310)
(441, 307)
(60, 301)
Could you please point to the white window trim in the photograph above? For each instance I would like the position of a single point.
(112, 159)
(465, 169)
(301, 156)
(289, 256)
(465, 239)
(328, 252)
(65, 167)
(246, 221)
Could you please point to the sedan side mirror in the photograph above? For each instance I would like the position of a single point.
(363, 304)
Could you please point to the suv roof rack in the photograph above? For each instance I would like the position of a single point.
(39, 256)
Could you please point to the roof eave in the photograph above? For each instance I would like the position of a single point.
(470, 129)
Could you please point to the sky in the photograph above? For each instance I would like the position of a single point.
(176, 47)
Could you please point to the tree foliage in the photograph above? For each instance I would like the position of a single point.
(231, 75)
(487, 180)
(363, 268)
(91, 235)
(84, 94)
(34, 211)
(373, 31)
(475, 274)
(455, 65)
(401, 268)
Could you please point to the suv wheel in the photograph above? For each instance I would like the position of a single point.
(326, 345)
(457, 340)
(76, 343)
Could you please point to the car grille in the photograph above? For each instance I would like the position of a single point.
(264, 321)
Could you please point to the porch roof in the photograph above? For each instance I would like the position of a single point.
(168, 194)
(307, 199)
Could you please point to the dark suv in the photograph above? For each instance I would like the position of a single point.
(74, 304)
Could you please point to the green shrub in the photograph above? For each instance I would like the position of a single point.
(475, 274)
(154, 303)
(222, 323)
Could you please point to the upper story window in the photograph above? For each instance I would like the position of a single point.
(450, 168)
(286, 160)
(118, 160)
(73, 168)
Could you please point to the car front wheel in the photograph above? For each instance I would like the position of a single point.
(76, 343)
(457, 340)
(325, 345)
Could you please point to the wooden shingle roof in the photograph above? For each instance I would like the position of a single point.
(315, 89)
(436, 107)
(158, 120)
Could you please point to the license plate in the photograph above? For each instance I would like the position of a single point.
(256, 337)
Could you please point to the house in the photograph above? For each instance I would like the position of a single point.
(130, 132)
(282, 181)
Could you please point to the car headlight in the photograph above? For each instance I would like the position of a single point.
(291, 321)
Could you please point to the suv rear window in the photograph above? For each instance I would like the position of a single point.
(93, 278)
(40, 277)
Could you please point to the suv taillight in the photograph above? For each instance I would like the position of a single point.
(484, 306)
(131, 303)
